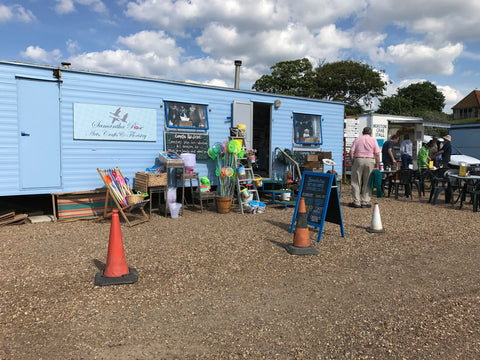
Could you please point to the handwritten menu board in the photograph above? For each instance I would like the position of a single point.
(314, 192)
(188, 143)
(322, 201)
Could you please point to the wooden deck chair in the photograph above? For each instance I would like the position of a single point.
(118, 189)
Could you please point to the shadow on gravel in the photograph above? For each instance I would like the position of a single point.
(100, 265)
(279, 224)
(278, 243)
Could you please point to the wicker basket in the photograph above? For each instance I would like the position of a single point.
(134, 199)
(144, 180)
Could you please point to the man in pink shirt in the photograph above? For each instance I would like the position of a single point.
(365, 154)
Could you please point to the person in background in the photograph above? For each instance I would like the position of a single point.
(423, 157)
(365, 155)
(446, 150)
(388, 158)
(406, 149)
(433, 150)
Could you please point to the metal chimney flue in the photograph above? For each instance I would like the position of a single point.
(238, 63)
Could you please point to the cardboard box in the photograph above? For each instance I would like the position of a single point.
(324, 155)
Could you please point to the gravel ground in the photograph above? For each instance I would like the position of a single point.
(222, 286)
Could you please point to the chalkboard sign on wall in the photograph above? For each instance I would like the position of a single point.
(322, 200)
(188, 143)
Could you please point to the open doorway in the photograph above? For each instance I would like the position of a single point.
(262, 115)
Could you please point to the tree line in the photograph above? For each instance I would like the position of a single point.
(354, 83)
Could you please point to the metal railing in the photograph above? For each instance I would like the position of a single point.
(289, 158)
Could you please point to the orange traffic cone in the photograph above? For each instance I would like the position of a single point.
(301, 240)
(116, 270)
(376, 226)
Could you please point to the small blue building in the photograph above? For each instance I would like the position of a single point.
(59, 124)
(466, 137)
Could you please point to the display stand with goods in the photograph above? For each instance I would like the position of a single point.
(125, 200)
(224, 156)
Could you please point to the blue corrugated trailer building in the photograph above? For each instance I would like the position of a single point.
(466, 138)
(59, 124)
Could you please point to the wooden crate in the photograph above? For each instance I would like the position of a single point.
(312, 164)
(144, 180)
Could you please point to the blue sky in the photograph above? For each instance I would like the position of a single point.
(198, 40)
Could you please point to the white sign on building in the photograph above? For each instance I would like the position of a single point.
(114, 122)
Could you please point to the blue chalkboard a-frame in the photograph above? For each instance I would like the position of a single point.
(322, 201)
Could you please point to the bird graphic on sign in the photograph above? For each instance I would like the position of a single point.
(116, 116)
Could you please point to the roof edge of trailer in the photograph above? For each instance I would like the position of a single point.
(147, 78)
(393, 117)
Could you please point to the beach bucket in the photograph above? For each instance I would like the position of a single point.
(175, 209)
(261, 207)
(241, 129)
(204, 181)
(223, 204)
(189, 160)
(251, 158)
(241, 172)
(245, 193)
(204, 189)
(258, 180)
(253, 207)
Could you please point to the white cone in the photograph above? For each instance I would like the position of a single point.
(376, 226)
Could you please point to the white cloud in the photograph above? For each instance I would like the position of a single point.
(419, 59)
(315, 14)
(149, 53)
(95, 5)
(439, 22)
(452, 96)
(72, 47)
(200, 39)
(16, 13)
(152, 41)
(38, 54)
(68, 6)
(5, 13)
(64, 6)
(183, 15)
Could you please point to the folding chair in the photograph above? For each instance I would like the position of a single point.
(118, 190)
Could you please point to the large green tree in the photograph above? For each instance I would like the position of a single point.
(294, 77)
(351, 82)
(414, 100)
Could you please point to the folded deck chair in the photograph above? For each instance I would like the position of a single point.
(118, 190)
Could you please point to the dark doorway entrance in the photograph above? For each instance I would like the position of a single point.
(262, 115)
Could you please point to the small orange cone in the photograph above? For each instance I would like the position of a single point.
(116, 270)
(301, 240)
(376, 226)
